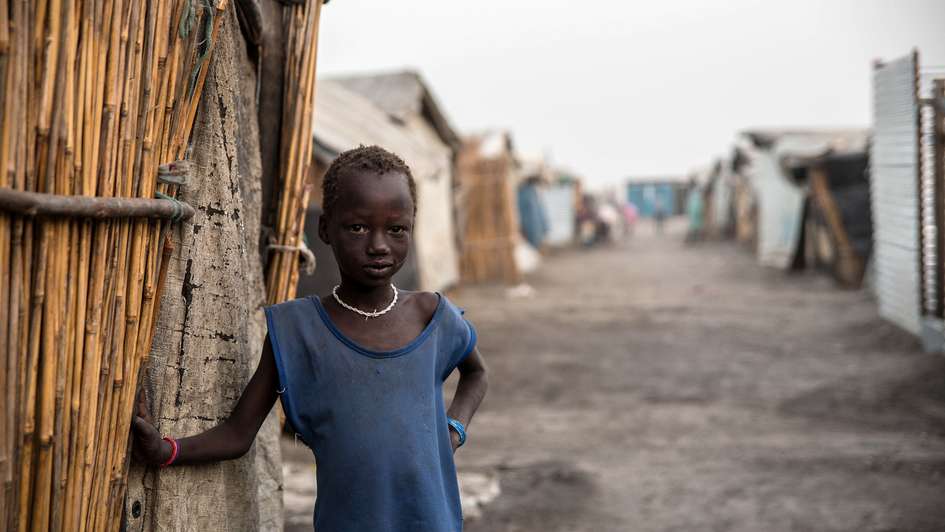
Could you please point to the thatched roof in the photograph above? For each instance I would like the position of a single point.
(403, 94)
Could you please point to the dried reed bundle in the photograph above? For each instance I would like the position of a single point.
(490, 222)
(96, 94)
(301, 23)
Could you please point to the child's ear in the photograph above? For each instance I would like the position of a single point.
(323, 229)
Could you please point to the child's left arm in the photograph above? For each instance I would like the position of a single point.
(469, 392)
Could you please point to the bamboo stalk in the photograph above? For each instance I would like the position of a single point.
(6, 399)
(7, 396)
(28, 429)
(12, 372)
(301, 53)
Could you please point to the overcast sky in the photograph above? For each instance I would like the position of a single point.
(616, 88)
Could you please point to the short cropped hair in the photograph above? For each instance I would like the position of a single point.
(363, 159)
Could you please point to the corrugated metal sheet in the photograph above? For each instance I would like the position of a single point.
(894, 192)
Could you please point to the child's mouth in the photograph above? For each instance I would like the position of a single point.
(380, 268)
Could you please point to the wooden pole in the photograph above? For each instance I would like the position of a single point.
(97, 208)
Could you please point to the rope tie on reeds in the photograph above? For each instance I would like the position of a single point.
(178, 214)
(187, 19)
(206, 44)
(308, 258)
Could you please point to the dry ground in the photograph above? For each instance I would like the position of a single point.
(652, 386)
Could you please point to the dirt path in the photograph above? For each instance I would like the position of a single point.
(657, 387)
(653, 386)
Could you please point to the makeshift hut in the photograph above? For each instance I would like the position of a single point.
(487, 176)
(838, 230)
(781, 195)
(657, 194)
(346, 120)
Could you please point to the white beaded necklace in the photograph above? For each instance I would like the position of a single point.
(375, 314)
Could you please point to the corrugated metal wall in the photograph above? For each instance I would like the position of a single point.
(894, 189)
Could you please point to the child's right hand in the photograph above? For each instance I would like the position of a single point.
(148, 446)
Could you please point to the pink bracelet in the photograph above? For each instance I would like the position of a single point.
(175, 449)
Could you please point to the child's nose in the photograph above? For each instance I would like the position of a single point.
(377, 245)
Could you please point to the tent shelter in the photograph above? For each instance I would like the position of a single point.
(781, 196)
(346, 120)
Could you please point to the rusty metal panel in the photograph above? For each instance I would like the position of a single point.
(894, 191)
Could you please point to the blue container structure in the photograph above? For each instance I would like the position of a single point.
(648, 197)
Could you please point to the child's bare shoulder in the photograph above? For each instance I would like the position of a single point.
(422, 303)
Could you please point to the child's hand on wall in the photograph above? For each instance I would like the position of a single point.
(148, 446)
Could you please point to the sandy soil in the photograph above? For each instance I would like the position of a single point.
(652, 386)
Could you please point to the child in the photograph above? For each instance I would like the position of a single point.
(360, 371)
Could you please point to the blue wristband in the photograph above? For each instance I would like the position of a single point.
(459, 428)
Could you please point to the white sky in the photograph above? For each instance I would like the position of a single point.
(624, 87)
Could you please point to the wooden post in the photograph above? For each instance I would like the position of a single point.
(849, 267)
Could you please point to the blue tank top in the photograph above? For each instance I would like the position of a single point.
(375, 420)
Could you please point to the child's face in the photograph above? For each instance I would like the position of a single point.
(370, 227)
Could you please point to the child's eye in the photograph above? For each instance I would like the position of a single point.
(398, 229)
(357, 228)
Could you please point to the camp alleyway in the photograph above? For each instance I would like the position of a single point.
(653, 386)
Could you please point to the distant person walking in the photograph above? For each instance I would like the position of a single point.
(659, 214)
